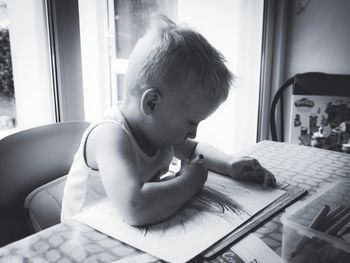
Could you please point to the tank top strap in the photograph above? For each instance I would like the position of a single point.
(115, 114)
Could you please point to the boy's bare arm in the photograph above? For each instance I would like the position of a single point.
(186, 150)
(243, 168)
(139, 202)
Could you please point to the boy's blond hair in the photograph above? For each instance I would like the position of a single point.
(172, 56)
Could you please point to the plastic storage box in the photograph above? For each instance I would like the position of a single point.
(301, 243)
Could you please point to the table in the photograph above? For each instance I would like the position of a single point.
(71, 241)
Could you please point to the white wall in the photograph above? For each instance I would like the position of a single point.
(234, 27)
(318, 39)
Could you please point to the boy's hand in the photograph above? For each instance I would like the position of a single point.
(196, 169)
(249, 169)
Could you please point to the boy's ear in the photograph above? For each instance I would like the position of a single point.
(150, 100)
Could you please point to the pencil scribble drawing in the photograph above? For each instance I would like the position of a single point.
(222, 206)
(213, 199)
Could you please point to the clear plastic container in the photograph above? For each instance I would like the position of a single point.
(301, 243)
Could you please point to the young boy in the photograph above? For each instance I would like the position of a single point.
(175, 79)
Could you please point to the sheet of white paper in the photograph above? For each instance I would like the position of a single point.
(190, 231)
(139, 258)
(250, 249)
(253, 249)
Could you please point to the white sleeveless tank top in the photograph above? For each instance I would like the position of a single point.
(84, 186)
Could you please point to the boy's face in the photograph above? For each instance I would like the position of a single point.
(178, 116)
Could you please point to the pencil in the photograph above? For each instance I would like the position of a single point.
(336, 217)
(319, 218)
(334, 212)
(197, 159)
(344, 230)
(315, 224)
(333, 230)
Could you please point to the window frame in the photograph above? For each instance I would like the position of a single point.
(30, 64)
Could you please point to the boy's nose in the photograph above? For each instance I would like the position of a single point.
(192, 134)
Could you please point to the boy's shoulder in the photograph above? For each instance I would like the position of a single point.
(107, 140)
(108, 134)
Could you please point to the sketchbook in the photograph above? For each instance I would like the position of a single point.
(222, 206)
(292, 193)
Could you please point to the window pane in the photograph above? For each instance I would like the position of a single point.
(26, 94)
(132, 19)
(7, 92)
(120, 83)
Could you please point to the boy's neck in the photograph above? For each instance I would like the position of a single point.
(146, 146)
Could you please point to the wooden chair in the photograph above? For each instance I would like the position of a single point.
(311, 84)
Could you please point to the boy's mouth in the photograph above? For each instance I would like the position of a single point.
(181, 142)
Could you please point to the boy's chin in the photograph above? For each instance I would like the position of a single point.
(164, 146)
(180, 142)
(170, 144)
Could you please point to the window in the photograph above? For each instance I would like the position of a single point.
(131, 20)
(7, 93)
(26, 98)
(233, 26)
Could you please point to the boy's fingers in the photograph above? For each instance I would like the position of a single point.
(269, 179)
(253, 176)
(185, 162)
(250, 162)
(254, 172)
(255, 164)
(272, 177)
(264, 176)
(197, 159)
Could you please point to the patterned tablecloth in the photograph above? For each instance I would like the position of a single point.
(71, 241)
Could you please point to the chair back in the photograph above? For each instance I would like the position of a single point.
(309, 83)
(33, 157)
